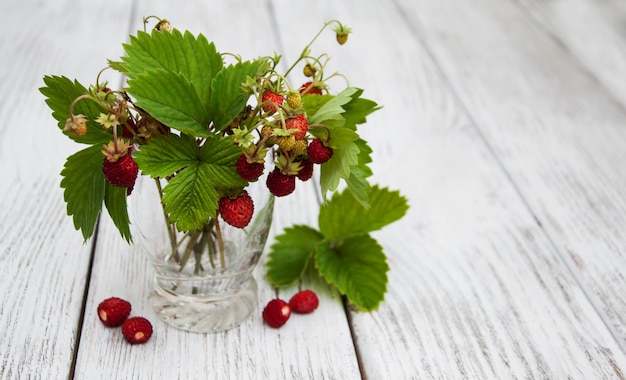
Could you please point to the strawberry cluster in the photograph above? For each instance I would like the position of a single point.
(277, 312)
(114, 312)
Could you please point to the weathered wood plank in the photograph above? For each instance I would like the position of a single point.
(304, 348)
(477, 289)
(592, 31)
(557, 131)
(43, 259)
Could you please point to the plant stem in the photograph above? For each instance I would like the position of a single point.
(170, 228)
(220, 243)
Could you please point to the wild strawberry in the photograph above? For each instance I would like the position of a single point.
(237, 211)
(294, 100)
(341, 34)
(310, 88)
(318, 152)
(129, 129)
(276, 313)
(306, 171)
(280, 184)
(270, 100)
(76, 125)
(121, 172)
(113, 311)
(137, 330)
(309, 70)
(286, 143)
(299, 147)
(250, 171)
(299, 124)
(304, 302)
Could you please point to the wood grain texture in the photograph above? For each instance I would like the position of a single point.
(299, 350)
(593, 32)
(557, 131)
(477, 289)
(43, 259)
(503, 124)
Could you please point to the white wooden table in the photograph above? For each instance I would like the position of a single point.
(504, 124)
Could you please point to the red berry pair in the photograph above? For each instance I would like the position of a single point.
(114, 312)
(277, 311)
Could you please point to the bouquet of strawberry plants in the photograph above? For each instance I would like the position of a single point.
(204, 123)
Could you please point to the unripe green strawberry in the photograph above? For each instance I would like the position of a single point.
(294, 100)
(309, 70)
(299, 124)
(299, 147)
(286, 143)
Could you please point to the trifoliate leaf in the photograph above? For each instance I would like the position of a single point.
(229, 97)
(194, 58)
(290, 254)
(357, 267)
(191, 196)
(84, 186)
(220, 155)
(60, 92)
(165, 155)
(190, 199)
(343, 216)
(172, 99)
(115, 202)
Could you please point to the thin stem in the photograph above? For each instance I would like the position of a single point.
(220, 243)
(170, 227)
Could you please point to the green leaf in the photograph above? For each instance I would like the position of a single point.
(220, 155)
(115, 202)
(291, 253)
(60, 92)
(172, 99)
(229, 97)
(358, 268)
(331, 109)
(345, 154)
(343, 216)
(84, 186)
(357, 110)
(357, 182)
(194, 58)
(165, 155)
(191, 196)
(190, 199)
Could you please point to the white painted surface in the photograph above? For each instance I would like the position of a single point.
(501, 124)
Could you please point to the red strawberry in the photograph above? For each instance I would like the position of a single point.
(237, 211)
(318, 152)
(122, 172)
(137, 330)
(310, 88)
(276, 313)
(113, 311)
(280, 184)
(269, 98)
(299, 124)
(306, 172)
(250, 171)
(129, 129)
(304, 302)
